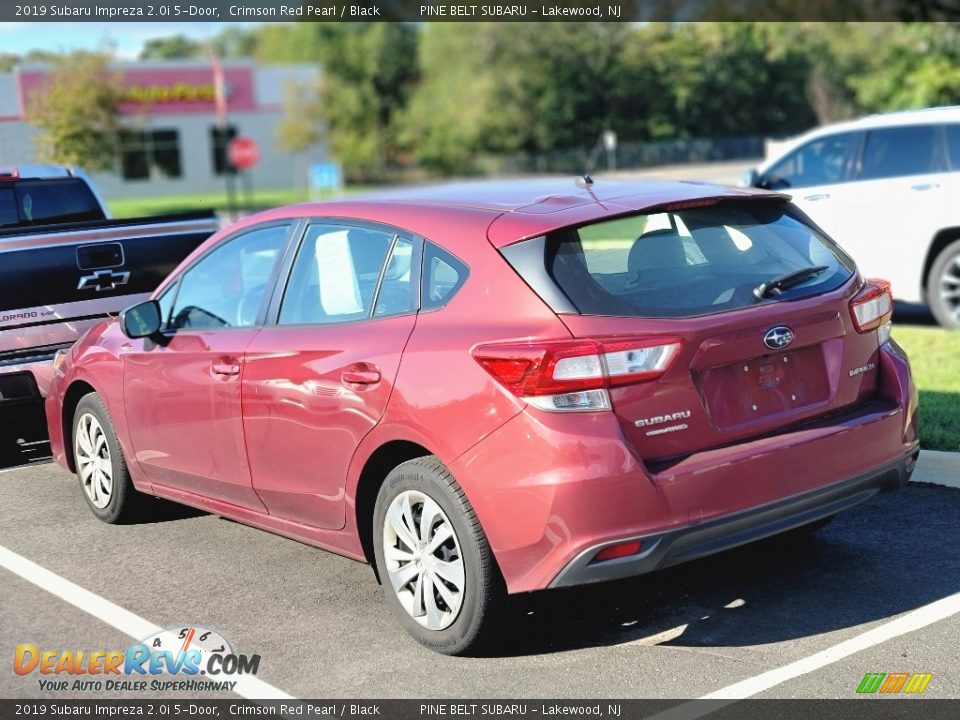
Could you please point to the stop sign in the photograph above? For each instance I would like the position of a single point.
(243, 153)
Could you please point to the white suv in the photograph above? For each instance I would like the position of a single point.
(887, 188)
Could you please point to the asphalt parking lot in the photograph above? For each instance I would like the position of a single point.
(880, 584)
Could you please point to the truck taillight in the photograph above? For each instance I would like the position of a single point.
(567, 375)
(872, 307)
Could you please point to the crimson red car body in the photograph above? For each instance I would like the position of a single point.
(280, 437)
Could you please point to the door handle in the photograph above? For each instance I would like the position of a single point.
(817, 196)
(920, 187)
(226, 368)
(363, 374)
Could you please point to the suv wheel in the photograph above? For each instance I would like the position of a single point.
(437, 570)
(101, 468)
(943, 286)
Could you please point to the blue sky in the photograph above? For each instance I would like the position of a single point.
(125, 38)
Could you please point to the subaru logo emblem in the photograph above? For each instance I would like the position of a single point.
(778, 338)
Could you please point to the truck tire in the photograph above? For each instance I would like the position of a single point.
(943, 286)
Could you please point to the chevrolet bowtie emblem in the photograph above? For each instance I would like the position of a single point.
(103, 280)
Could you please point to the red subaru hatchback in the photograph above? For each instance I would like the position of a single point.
(490, 389)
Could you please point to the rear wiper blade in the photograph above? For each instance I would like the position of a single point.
(787, 280)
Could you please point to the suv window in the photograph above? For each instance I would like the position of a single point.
(901, 151)
(819, 162)
(340, 271)
(226, 287)
(953, 145)
(690, 262)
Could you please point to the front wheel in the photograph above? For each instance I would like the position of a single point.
(943, 286)
(438, 571)
(101, 468)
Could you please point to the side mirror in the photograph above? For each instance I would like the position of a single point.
(141, 320)
(750, 178)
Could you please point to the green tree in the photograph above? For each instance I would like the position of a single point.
(918, 66)
(76, 113)
(493, 88)
(299, 128)
(170, 48)
(367, 72)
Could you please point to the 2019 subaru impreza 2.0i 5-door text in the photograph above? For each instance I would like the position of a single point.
(492, 389)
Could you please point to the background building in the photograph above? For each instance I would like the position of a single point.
(172, 143)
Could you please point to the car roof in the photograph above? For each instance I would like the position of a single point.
(514, 209)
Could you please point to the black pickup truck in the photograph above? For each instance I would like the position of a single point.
(65, 266)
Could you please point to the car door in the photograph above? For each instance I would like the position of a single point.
(182, 395)
(318, 378)
(889, 214)
(814, 173)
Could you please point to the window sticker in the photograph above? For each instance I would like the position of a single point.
(339, 289)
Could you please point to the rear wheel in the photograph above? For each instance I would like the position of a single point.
(438, 571)
(943, 286)
(101, 468)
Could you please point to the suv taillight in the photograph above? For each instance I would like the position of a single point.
(567, 375)
(872, 308)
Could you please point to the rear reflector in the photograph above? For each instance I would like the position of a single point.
(612, 552)
(872, 306)
(575, 374)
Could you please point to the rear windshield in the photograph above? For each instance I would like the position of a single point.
(693, 261)
(44, 202)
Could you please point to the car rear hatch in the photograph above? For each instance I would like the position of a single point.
(713, 323)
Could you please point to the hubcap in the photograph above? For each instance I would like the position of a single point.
(94, 465)
(423, 559)
(950, 289)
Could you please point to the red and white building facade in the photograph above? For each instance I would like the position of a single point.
(174, 137)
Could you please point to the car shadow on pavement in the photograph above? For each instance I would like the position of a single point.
(158, 510)
(880, 559)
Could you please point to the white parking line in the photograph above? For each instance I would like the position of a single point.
(123, 620)
(911, 621)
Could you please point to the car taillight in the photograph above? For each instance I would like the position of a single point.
(872, 307)
(575, 374)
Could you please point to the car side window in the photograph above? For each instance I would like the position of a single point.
(819, 162)
(341, 274)
(166, 303)
(901, 151)
(226, 287)
(443, 276)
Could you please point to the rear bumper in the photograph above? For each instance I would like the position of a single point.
(550, 489)
(695, 541)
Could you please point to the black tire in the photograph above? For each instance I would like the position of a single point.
(484, 610)
(946, 267)
(123, 500)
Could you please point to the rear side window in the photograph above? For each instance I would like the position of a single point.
(41, 202)
(443, 276)
(902, 151)
(344, 273)
(690, 262)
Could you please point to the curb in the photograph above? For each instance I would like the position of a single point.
(936, 467)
